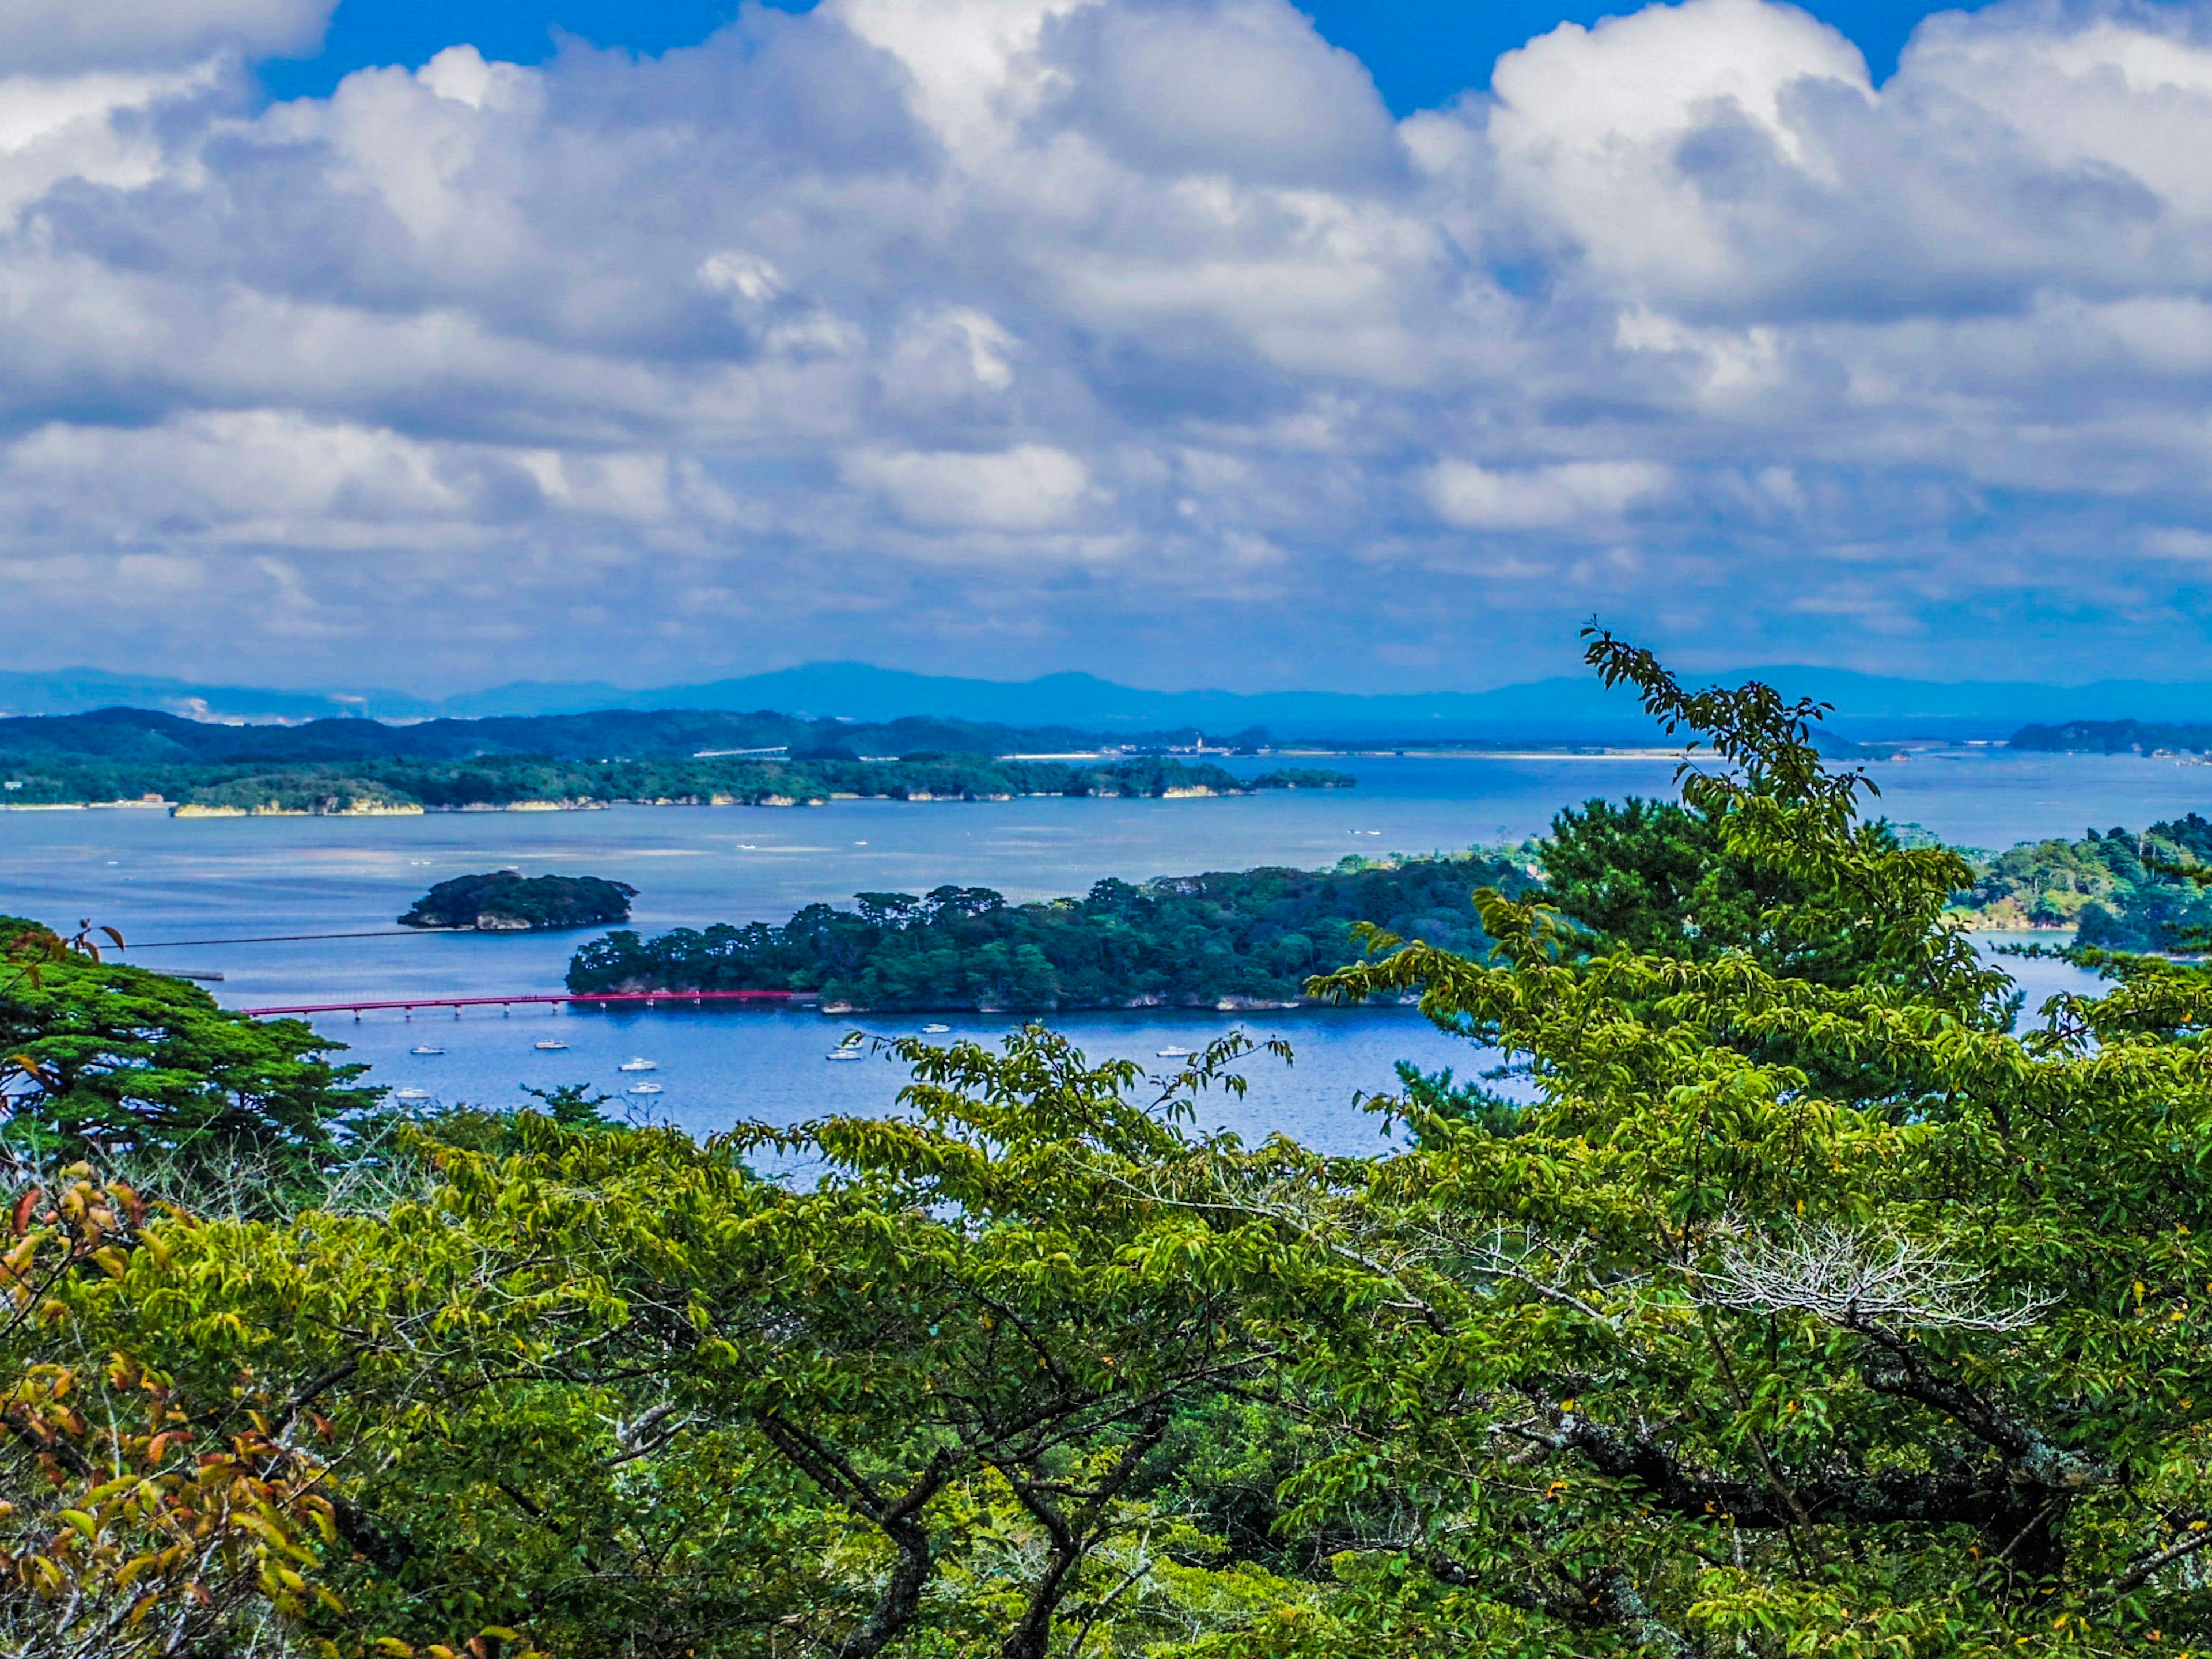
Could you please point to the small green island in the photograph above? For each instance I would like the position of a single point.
(507, 901)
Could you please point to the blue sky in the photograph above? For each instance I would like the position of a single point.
(1184, 342)
(1421, 52)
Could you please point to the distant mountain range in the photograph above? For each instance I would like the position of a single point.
(1566, 709)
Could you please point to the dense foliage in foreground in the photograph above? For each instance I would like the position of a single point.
(1253, 936)
(1804, 1309)
(98, 1059)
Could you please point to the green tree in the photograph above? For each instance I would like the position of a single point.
(1660, 876)
(608, 1388)
(105, 1062)
(1714, 1358)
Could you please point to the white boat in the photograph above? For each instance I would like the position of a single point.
(639, 1063)
(425, 1048)
(645, 1088)
(842, 1054)
(410, 1094)
(936, 1030)
(1173, 1053)
(549, 1044)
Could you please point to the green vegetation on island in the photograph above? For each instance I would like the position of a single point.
(1250, 939)
(1801, 1307)
(493, 781)
(2115, 738)
(506, 901)
(1304, 777)
(670, 757)
(1643, 875)
(2122, 891)
(138, 734)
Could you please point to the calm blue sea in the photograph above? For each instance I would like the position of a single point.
(159, 879)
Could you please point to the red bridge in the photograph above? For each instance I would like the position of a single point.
(587, 998)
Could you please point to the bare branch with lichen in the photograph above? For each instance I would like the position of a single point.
(1851, 1278)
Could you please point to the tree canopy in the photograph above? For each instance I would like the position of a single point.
(1251, 936)
(508, 899)
(103, 1061)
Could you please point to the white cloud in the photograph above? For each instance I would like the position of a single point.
(1244, 90)
(1599, 129)
(76, 34)
(751, 281)
(920, 316)
(1573, 494)
(90, 127)
(1030, 487)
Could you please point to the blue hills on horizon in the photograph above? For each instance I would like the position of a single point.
(1571, 708)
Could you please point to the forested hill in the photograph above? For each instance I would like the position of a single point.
(142, 735)
(2115, 738)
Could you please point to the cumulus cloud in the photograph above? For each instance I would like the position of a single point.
(1242, 90)
(1017, 327)
(1576, 493)
(1030, 487)
(77, 34)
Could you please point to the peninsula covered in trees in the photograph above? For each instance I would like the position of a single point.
(1646, 874)
(669, 757)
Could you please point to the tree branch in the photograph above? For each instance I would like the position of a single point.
(2138, 1576)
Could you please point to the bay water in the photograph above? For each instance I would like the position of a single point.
(160, 881)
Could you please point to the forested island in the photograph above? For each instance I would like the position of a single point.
(511, 782)
(1793, 1301)
(1639, 874)
(674, 758)
(2115, 738)
(1245, 940)
(2123, 891)
(506, 901)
